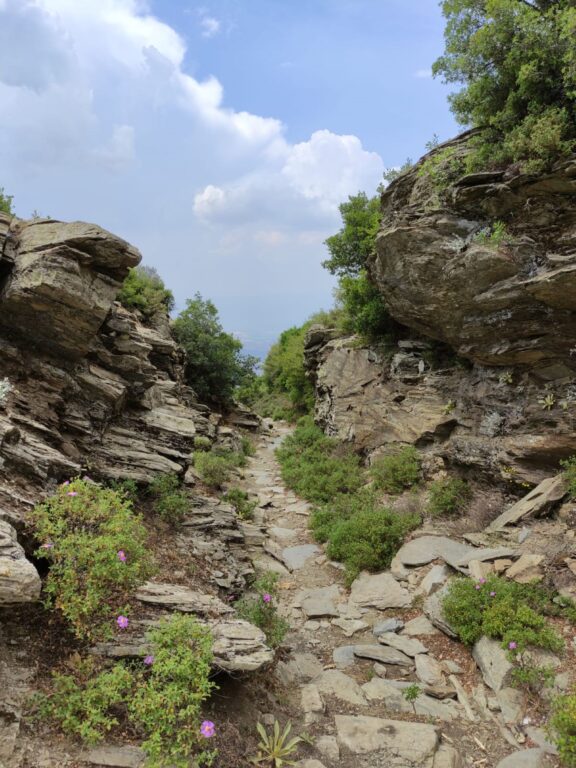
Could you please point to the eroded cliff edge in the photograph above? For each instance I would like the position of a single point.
(483, 377)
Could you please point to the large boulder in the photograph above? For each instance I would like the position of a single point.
(19, 579)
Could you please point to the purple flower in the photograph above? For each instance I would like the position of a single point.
(492, 594)
(482, 581)
(149, 660)
(266, 597)
(512, 645)
(477, 586)
(48, 545)
(122, 555)
(207, 729)
(87, 479)
(122, 622)
(66, 482)
(72, 493)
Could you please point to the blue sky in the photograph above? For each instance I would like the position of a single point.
(218, 137)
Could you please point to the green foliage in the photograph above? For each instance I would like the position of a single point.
(354, 243)
(517, 61)
(412, 692)
(216, 466)
(391, 174)
(215, 365)
(275, 748)
(569, 467)
(448, 496)
(261, 609)
(530, 677)
(202, 443)
(144, 289)
(171, 502)
(369, 540)
(500, 609)
(241, 502)
(326, 517)
(317, 467)
(562, 728)
(161, 702)
(397, 471)
(284, 371)
(495, 236)
(363, 309)
(167, 703)
(83, 528)
(126, 488)
(442, 168)
(5, 202)
(248, 447)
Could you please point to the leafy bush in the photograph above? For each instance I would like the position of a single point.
(351, 247)
(260, 609)
(241, 502)
(395, 472)
(325, 518)
(284, 371)
(5, 202)
(369, 540)
(363, 309)
(144, 289)
(202, 443)
(171, 502)
(248, 447)
(517, 63)
(501, 609)
(215, 365)
(562, 728)
(214, 470)
(442, 168)
(316, 466)
(96, 549)
(494, 236)
(569, 466)
(161, 700)
(126, 488)
(448, 496)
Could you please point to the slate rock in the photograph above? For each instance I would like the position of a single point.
(379, 591)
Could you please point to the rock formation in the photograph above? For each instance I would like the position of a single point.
(483, 376)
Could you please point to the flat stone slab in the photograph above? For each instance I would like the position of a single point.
(384, 654)
(332, 682)
(425, 549)
(179, 598)
(428, 670)
(433, 610)
(539, 500)
(320, 602)
(344, 656)
(393, 697)
(419, 626)
(302, 668)
(379, 591)
(116, 757)
(388, 625)
(295, 558)
(400, 643)
(493, 662)
(485, 554)
(350, 626)
(524, 758)
(402, 743)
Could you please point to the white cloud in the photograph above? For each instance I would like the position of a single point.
(101, 121)
(210, 26)
(423, 73)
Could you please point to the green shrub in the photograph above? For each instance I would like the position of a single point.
(214, 470)
(241, 502)
(501, 609)
(260, 609)
(569, 466)
(369, 540)
(248, 447)
(166, 704)
(494, 236)
(284, 372)
(144, 289)
(448, 496)
(202, 443)
(5, 202)
(317, 467)
(325, 518)
(395, 472)
(126, 488)
(562, 728)
(96, 549)
(171, 503)
(442, 168)
(363, 310)
(161, 702)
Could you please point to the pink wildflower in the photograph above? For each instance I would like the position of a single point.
(482, 581)
(149, 660)
(72, 493)
(477, 586)
(492, 594)
(48, 545)
(66, 482)
(266, 597)
(122, 622)
(512, 645)
(122, 555)
(207, 729)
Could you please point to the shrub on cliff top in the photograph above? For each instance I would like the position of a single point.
(96, 549)
(5, 202)
(144, 289)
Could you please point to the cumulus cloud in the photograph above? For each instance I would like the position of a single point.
(101, 120)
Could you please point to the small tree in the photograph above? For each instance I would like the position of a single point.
(215, 365)
(5, 202)
(353, 244)
(144, 289)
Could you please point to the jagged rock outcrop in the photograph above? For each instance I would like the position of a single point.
(484, 375)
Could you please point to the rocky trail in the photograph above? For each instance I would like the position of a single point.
(353, 653)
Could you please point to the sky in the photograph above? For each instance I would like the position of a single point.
(217, 137)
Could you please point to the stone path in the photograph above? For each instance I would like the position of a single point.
(354, 652)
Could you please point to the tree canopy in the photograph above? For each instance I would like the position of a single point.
(215, 365)
(350, 247)
(5, 202)
(144, 289)
(516, 60)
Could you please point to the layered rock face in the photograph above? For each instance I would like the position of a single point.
(93, 389)
(498, 394)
